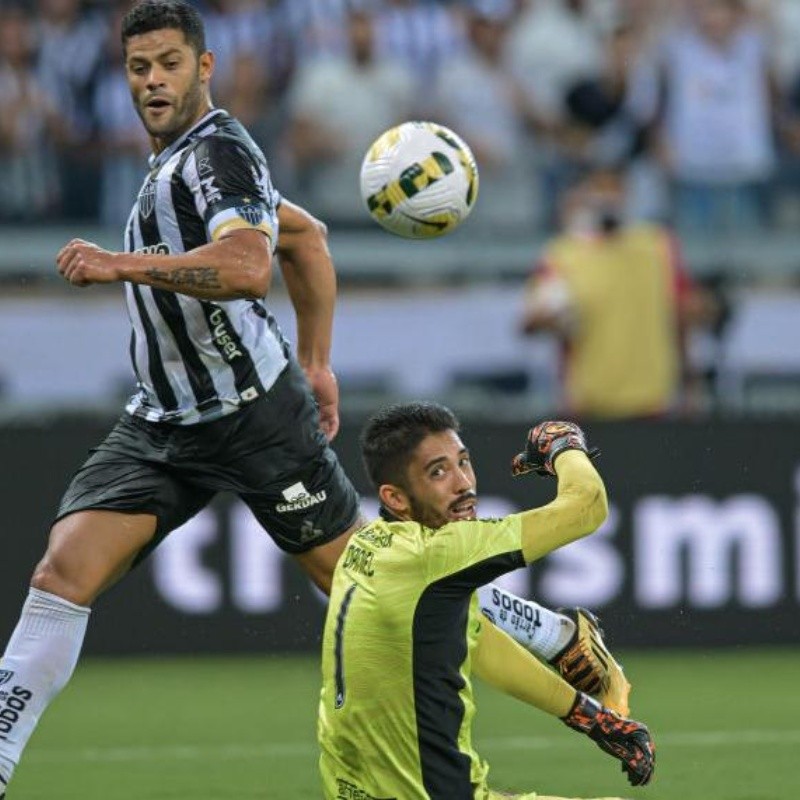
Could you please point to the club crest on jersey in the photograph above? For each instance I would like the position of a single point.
(250, 214)
(5, 676)
(147, 199)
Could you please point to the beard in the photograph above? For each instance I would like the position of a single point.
(181, 114)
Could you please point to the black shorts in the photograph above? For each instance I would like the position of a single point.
(271, 453)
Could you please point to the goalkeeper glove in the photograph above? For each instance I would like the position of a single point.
(625, 739)
(546, 441)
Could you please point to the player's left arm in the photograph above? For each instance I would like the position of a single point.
(310, 277)
(238, 265)
(499, 661)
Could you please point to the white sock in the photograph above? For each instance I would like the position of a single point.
(536, 628)
(39, 660)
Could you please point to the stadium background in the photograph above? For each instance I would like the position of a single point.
(703, 545)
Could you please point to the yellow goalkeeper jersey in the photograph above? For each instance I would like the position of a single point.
(397, 705)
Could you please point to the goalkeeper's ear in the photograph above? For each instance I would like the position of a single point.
(395, 500)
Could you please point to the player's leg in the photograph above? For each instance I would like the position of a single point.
(570, 639)
(292, 480)
(87, 552)
(118, 506)
(538, 629)
(319, 562)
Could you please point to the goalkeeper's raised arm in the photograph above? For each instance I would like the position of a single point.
(581, 505)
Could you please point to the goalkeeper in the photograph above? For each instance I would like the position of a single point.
(404, 632)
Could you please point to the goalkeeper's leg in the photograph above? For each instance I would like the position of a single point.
(569, 639)
(586, 663)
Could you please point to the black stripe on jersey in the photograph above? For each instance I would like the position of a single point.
(132, 344)
(245, 374)
(202, 385)
(190, 225)
(163, 389)
(205, 392)
(439, 649)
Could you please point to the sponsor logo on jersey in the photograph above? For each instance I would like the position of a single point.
(12, 704)
(5, 676)
(250, 214)
(298, 498)
(222, 336)
(147, 199)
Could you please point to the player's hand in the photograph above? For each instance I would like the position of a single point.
(546, 441)
(83, 263)
(625, 739)
(326, 391)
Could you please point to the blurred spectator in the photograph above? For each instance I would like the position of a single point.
(338, 106)
(71, 44)
(717, 118)
(121, 142)
(477, 96)
(617, 296)
(423, 36)
(553, 45)
(318, 27)
(608, 120)
(29, 126)
(253, 28)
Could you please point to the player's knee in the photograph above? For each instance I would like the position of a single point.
(54, 577)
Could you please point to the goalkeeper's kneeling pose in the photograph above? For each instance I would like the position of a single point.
(404, 630)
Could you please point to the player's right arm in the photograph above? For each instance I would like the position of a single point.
(236, 266)
(581, 504)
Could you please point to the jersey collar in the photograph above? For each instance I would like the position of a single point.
(166, 153)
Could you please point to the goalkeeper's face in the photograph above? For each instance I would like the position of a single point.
(440, 483)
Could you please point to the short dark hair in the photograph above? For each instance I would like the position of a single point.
(390, 437)
(155, 15)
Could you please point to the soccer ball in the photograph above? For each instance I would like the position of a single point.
(419, 180)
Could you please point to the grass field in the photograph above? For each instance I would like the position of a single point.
(727, 726)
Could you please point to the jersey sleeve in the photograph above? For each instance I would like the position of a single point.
(471, 553)
(231, 188)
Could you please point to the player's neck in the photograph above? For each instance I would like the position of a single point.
(160, 143)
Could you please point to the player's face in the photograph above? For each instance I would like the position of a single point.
(168, 82)
(440, 481)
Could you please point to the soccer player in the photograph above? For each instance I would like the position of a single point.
(403, 632)
(222, 403)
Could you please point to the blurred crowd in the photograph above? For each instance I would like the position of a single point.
(695, 102)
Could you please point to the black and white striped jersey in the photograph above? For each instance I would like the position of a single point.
(196, 360)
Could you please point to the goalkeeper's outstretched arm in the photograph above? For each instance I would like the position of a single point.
(580, 507)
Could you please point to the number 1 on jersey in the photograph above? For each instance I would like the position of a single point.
(339, 646)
